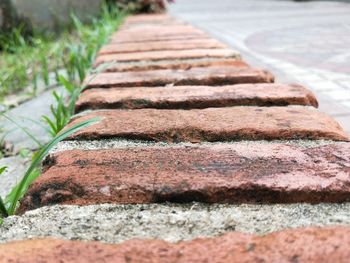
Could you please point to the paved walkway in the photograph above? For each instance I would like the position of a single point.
(306, 42)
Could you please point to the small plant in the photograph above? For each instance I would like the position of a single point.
(8, 207)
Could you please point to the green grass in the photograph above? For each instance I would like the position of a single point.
(9, 205)
(73, 53)
(23, 62)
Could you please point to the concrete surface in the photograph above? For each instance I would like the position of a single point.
(171, 222)
(305, 42)
(51, 14)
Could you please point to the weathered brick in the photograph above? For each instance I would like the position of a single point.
(167, 55)
(166, 37)
(313, 245)
(142, 19)
(156, 30)
(212, 124)
(157, 33)
(191, 97)
(215, 173)
(161, 45)
(218, 75)
(183, 64)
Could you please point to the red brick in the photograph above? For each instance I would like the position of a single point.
(191, 97)
(312, 245)
(161, 45)
(183, 64)
(142, 19)
(213, 124)
(157, 33)
(217, 75)
(217, 173)
(167, 55)
(156, 30)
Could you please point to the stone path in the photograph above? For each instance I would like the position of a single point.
(305, 41)
(195, 150)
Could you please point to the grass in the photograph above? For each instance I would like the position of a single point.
(72, 51)
(9, 205)
(75, 55)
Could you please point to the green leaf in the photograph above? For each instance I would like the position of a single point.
(18, 192)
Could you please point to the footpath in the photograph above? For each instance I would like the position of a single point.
(198, 157)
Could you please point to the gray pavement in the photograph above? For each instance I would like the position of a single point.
(304, 42)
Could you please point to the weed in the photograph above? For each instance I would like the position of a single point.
(8, 207)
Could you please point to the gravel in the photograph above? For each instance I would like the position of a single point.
(171, 222)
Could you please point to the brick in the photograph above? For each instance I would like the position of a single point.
(142, 19)
(183, 64)
(212, 173)
(167, 55)
(167, 37)
(217, 75)
(314, 245)
(191, 97)
(161, 45)
(157, 33)
(156, 30)
(212, 124)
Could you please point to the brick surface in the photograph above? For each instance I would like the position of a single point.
(218, 75)
(214, 173)
(156, 30)
(142, 19)
(167, 37)
(191, 97)
(167, 55)
(316, 245)
(161, 45)
(183, 64)
(149, 33)
(213, 124)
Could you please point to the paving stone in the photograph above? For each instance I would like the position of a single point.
(183, 64)
(161, 45)
(212, 124)
(218, 75)
(191, 97)
(218, 173)
(302, 245)
(167, 55)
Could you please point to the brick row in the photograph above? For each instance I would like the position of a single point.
(216, 76)
(192, 97)
(312, 245)
(161, 45)
(212, 124)
(174, 64)
(226, 172)
(167, 55)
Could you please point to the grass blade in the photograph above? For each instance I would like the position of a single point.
(19, 191)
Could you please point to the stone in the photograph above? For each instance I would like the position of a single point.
(218, 173)
(191, 97)
(211, 76)
(174, 64)
(329, 244)
(212, 124)
(161, 45)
